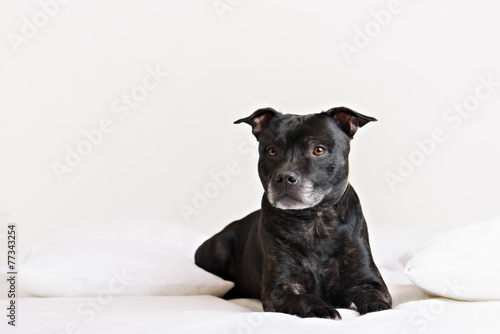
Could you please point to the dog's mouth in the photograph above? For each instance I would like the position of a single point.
(287, 198)
(291, 200)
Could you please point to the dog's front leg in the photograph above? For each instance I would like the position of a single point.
(367, 290)
(371, 298)
(283, 291)
(303, 305)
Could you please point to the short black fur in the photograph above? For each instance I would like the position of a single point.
(306, 252)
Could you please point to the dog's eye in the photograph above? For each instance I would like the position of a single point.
(319, 150)
(273, 151)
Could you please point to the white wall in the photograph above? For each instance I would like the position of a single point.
(286, 54)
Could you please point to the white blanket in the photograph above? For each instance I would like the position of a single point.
(414, 312)
(207, 314)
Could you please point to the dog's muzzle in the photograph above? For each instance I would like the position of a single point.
(289, 191)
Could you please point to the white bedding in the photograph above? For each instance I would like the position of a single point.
(414, 312)
(208, 314)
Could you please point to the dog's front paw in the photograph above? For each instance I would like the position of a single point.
(373, 301)
(311, 306)
(373, 306)
(304, 306)
(320, 311)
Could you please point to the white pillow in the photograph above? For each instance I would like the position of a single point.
(462, 264)
(389, 244)
(120, 258)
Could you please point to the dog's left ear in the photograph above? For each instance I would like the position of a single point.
(259, 120)
(349, 120)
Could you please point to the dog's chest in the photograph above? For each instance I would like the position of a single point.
(320, 236)
(321, 246)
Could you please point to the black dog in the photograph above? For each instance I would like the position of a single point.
(306, 251)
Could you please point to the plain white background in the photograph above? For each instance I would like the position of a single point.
(225, 59)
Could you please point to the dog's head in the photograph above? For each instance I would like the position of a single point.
(303, 160)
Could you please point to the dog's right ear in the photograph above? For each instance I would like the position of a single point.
(349, 120)
(259, 120)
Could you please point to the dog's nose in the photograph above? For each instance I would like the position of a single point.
(288, 176)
